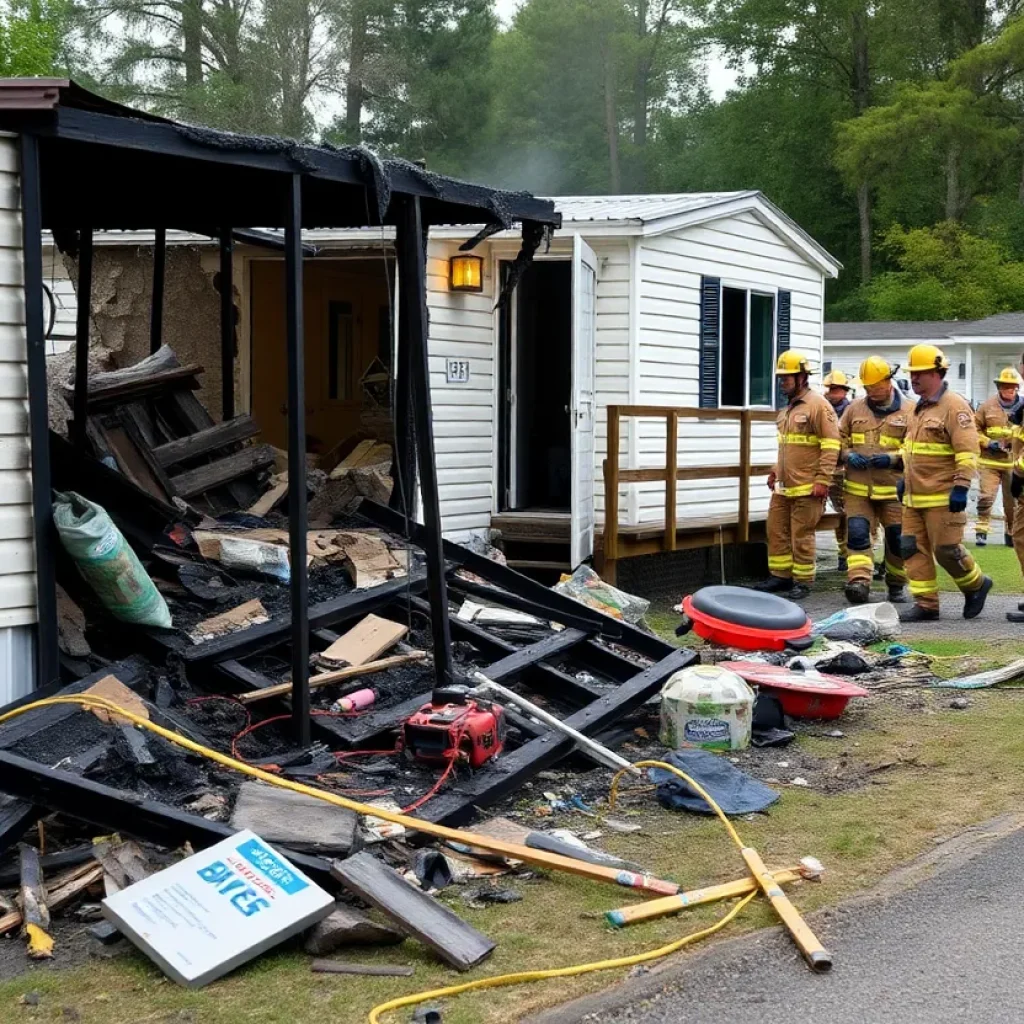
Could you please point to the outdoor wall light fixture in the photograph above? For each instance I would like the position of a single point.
(466, 273)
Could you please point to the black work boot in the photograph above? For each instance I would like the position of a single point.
(1015, 616)
(897, 594)
(981, 539)
(798, 592)
(774, 585)
(1008, 541)
(975, 600)
(857, 592)
(915, 613)
(880, 571)
(841, 565)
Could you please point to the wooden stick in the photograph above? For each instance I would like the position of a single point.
(35, 913)
(336, 676)
(694, 898)
(341, 967)
(807, 942)
(63, 890)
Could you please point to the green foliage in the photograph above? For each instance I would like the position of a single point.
(944, 273)
(33, 34)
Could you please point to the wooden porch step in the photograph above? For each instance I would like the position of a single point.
(532, 528)
(528, 564)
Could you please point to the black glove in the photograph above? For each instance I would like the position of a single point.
(1017, 416)
(856, 461)
(1016, 485)
(958, 499)
(901, 486)
(881, 461)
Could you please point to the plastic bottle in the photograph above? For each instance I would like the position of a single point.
(706, 706)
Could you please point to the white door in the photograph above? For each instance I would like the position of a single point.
(581, 419)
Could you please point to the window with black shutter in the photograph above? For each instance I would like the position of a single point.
(710, 322)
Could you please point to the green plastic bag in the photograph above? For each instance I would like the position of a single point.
(107, 562)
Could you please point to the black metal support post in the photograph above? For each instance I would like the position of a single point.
(47, 657)
(156, 313)
(84, 297)
(403, 496)
(227, 326)
(297, 517)
(412, 335)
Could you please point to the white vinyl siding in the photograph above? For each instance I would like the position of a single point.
(744, 253)
(17, 551)
(463, 326)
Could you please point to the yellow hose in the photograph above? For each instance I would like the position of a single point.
(558, 972)
(91, 702)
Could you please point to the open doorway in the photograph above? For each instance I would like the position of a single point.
(348, 350)
(536, 391)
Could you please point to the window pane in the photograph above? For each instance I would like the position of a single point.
(733, 367)
(341, 371)
(762, 323)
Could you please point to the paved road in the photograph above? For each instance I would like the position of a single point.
(945, 952)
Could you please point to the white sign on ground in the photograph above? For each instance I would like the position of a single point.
(205, 915)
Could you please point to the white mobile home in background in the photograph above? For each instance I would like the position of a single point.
(658, 300)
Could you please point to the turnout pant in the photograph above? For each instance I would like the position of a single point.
(837, 497)
(863, 517)
(1018, 531)
(933, 535)
(791, 526)
(990, 480)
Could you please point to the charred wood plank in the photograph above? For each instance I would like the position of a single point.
(413, 910)
(205, 478)
(123, 391)
(517, 662)
(16, 817)
(543, 678)
(510, 772)
(208, 440)
(115, 810)
(546, 602)
(266, 635)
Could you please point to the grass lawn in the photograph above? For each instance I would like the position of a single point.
(910, 769)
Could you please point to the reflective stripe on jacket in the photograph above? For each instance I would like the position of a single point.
(868, 432)
(940, 450)
(808, 435)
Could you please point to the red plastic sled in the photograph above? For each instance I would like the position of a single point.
(803, 696)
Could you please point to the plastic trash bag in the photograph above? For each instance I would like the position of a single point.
(585, 586)
(882, 623)
(107, 562)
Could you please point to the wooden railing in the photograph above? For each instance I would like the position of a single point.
(614, 476)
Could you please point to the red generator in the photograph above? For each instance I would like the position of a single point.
(452, 725)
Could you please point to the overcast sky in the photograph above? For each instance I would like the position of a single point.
(720, 78)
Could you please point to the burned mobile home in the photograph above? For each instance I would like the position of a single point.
(183, 487)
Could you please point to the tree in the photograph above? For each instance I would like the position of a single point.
(35, 37)
(944, 273)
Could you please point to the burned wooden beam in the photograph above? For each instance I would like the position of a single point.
(34, 911)
(115, 810)
(513, 769)
(191, 482)
(266, 635)
(589, 623)
(16, 817)
(546, 602)
(241, 428)
(413, 911)
(517, 662)
(540, 677)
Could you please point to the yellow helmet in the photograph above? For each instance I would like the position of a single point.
(792, 361)
(1008, 376)
(926, 357)
(837, 379)
(874, 370)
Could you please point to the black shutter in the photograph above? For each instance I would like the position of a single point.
(784, 304)
(710, 329)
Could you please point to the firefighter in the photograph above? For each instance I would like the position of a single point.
(808, 451)
(940, 456)
(995, 435)
(839, 392)
(872, 430)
